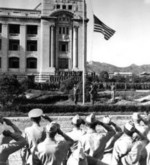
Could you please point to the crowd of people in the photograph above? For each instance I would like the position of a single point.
(85, 144)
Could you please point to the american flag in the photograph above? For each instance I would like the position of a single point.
(99, 26)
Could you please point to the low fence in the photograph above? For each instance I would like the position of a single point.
(55, 82)
(123, 86)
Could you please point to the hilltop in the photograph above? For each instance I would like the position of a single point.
(97, 67)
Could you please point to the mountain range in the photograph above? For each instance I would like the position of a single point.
(98, 67)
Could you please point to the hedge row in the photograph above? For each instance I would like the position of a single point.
(124, 86)
(127, 109)
(42, 99)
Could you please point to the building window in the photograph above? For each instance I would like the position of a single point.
(57, 6)
(67, 30)
(14, 62)
(63, 46)
(63, 63)
(14, 45)
(0, 28)
(60, 30)
(32, 29)
(31, 45)
(14, 29)
(31, 63)
(0, 62)
(63, 7)
(70, 7)
(64, 30)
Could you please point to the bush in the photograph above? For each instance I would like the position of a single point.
(99, 109)
(67, 85)
(42, 100)
(10, 88)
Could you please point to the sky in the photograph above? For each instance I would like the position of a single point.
(129, 18)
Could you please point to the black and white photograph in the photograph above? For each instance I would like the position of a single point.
(74, 82)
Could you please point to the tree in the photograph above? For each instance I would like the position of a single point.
(10, 89)
(67, 85)
(104, 76)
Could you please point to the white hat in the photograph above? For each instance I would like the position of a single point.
(106, 120)
(35, 113)
(77, 119)
(52, 127)
(91, 118)
(129, 126)
(135, 116)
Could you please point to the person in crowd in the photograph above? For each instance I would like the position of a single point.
(75, 93)
(118, 133)
(148, 153)
(148, 138)
(7, 139)
(137, 120)
(110, 144)
(94, 143)
(93, 93)
(7, 147)
(125, 152)
(33, 134)
(76, 132)
(137, 155)
(113, 91)
(51, 151)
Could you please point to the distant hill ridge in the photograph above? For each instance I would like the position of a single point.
(97, 67)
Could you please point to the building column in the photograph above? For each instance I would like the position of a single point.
(5, 47)
(75, 47)
(52, 46)
(23, 48)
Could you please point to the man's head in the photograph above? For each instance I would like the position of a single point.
(129, 128)
(106, 120)
(77, 121)
(52, 128)
(91, 121)
(136, 137)
(35, 115)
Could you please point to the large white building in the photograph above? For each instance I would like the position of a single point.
(51, 37)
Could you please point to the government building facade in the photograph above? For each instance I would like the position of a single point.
(42, 41)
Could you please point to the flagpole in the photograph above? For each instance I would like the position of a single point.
(83, 75)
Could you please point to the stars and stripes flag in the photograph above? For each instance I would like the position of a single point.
(99, 26)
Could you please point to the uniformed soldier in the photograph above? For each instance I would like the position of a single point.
(148, 154)
(113, 92)
(76, 132)
(33, 134)
(51, 151)
(93, 142)
(93, 93)
(7, 139)
(137, 119)
(148, 138)
(110, 144)
(125, 151)
(118, 133)
(75, 93)
(76, 135)
(7, 148)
